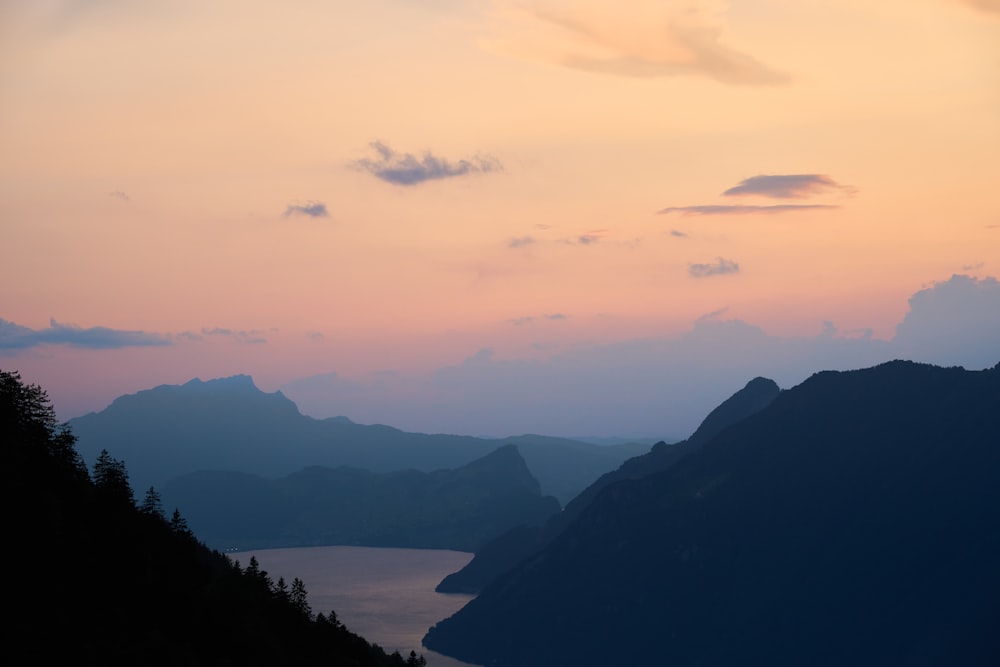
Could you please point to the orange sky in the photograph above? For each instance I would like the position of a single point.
(551, 178)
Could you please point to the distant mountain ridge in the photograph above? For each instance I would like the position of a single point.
(230, 424)
(446, 509)
(853, 520)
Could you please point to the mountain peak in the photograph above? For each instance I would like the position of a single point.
(753, 397)
(240, 381)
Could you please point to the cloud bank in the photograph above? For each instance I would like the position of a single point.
(16, 337)
(406, 169)
(663, 386)
(952, 322)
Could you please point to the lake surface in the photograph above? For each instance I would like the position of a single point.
(385, 595)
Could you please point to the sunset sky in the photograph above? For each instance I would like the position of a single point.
(573, 217)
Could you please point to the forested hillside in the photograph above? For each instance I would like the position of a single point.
(96, 577)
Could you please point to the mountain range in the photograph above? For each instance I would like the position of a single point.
(459, 508)
(852, 519)
(228, 424)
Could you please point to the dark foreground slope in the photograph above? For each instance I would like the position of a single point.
(92, 579)
(855, 520)
(501, 554)
(445, 509)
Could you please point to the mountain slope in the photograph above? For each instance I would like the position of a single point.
(100, 581)
(445, 509)
(508, 549)
(852, 521)
(229, 424)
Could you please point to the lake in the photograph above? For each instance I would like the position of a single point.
(385, 595)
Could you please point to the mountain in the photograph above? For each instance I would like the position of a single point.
(851, 521)
(507, 550)
(98, 580)
(446, 509)
(230, 424)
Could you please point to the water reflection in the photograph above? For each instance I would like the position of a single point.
(385, 595)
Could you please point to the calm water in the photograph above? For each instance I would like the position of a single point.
(385, 595)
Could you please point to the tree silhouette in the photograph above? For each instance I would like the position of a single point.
(111, 479)
(179, 524)
(152, 504)
(298, 597)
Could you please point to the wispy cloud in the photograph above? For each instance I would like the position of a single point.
(119, 195)
(241, 336)
(676, 233)
(786, 186)
(16, 337)
(772, 186)
(520, 242)
(722, 209)
(587, 238)
(651, 39)
(992, 6)
(312, 209)
(528, 319)
(717, 268)
(408, 169)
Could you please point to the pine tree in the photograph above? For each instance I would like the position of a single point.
(152, 504)
(179, 524)
(299, 598)
(111, 478)
(253, 567)
(281, 589)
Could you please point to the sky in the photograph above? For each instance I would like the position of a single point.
(494, 217)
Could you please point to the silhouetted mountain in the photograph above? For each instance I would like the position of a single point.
(95, 579)
(445, 509)
(494, 559)
(229, 424)
(851, 521)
